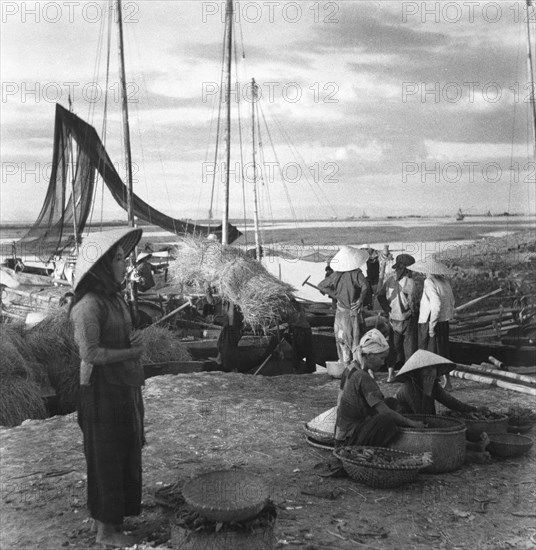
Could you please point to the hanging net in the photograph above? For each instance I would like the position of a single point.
(78, 155)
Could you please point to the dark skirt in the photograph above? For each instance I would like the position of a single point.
(439, 343)
(111, 420)
(376, 431)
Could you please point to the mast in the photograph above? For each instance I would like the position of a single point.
(73, 189)
(229, 35)
(255, 202)
(126, 127)
(530, 69)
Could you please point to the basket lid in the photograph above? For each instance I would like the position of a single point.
(226, 491)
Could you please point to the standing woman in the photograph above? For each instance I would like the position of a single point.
(348, 285)
(436, 309)
(110, 412)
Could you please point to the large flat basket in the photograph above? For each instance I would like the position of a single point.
(226, 496)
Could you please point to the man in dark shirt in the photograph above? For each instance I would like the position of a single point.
(350, 287)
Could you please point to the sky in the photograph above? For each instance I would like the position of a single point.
(388, 108)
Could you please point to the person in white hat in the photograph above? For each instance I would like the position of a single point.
(396, 297)
(110, 411)
(350, 288)
(364, 416)
(436, 308)
(421, 389)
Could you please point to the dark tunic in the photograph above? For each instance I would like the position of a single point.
(110, 412)
(358, 423)
(411, 398)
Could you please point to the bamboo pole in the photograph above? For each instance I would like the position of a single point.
(493, 382)
(476, 300)
(479, 369)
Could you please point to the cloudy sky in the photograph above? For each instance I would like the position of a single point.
(391, 108)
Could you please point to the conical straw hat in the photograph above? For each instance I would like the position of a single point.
(95, 246)
(429, 266)
(348, 259)
(324, 422)
(422, 359)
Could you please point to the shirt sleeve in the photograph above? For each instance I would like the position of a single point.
(451, 402)
(370, 390)
(364, 285)
(326, 284)
(435, 303)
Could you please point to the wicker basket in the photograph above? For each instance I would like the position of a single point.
(320, 444)
(508, 445)
(226, 496)
(378, 475)
(335, 368)
(249, 537)
(444, 438)
(476, 427)
(521, 429)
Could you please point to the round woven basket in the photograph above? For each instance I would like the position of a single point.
(508, 445)
(476, 427)
(226, 496)
(444, 437)
(521, 429)
(378, 475)
(320, 445)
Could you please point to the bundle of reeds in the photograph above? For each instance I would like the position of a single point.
(238, 278)
(161, 345)
(20, 394)
(52, 342)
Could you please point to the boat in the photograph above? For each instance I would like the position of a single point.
(364, 216)
(460, 216)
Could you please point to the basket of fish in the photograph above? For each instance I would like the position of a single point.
(381, 467)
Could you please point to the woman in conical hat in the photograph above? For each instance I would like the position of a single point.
(436, 308)
(110, 411)
(421, 389)
(350, 288)
(364, 416)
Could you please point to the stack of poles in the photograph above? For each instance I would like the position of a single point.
(501, 320)
(493, 373)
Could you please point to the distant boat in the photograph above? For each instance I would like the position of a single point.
(364, 216)
(489, 214)
(460, 215)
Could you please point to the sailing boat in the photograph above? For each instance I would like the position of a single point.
(460, 216)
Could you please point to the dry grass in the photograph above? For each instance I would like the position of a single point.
(161, 345)
(52, 342)
(200, 264)
(20, 394)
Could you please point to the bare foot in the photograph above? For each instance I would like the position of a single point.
(108, 535)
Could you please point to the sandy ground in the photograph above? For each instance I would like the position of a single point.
(209, 421)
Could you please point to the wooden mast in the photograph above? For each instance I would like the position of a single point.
(126, 127)
(73, 188)
(132, 286)
(530, 70)
(229, 35)
(255, 200)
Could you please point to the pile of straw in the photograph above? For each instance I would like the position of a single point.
(240, 279)
(20, 394)
(161, 345)
(52, 342)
